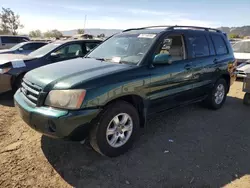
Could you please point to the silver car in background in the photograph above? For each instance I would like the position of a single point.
(242, 55)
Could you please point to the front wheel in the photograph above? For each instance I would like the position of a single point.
(218, 94)
(115, 129)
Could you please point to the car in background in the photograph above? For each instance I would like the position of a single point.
(242, 54)
(14, 66)
(234, 40)
(109, 94)
(7, 41)
(24, 48)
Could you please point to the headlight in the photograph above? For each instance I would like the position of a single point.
(4, 70)
(66, 99)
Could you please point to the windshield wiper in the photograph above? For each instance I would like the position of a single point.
(100, 59)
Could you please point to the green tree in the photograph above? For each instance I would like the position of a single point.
(53, 34)
(9, 21)
(80, 31)
(35, 34)
(232, 35)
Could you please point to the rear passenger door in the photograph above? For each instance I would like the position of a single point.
(222, 56)
(202, 55)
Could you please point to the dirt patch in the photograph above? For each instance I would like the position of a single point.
(187, 147)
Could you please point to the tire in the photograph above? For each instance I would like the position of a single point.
(17, 83)
(106, 121)
(246, 99)
(214, 102)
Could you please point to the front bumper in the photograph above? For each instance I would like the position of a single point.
(55, 122)
(5, 83)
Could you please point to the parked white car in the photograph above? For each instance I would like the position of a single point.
(242, 55)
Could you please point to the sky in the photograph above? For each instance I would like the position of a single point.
(115, 14)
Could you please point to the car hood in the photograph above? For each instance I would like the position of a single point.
(66, 74)
(6, 58)
(242, 56)
(5, 51)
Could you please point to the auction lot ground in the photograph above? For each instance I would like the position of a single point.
(186, 147)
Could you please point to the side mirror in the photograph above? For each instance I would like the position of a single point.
(162, 59)
(20, 49)
(54, 55)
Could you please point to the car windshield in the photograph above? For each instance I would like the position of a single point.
(242, 47)
(18, 46)
(124, 48)
(44, 50)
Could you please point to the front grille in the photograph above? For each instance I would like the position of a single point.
(30, 91)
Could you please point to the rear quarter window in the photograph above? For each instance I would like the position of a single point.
(219, 45)
(199, 46)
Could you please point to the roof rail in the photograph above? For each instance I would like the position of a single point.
(167, 27)
(194, 27)
(148, 27)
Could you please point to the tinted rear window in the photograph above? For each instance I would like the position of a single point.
(199, 46)
(13, 40)
(219, 44)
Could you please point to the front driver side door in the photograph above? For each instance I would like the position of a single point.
(171, 84)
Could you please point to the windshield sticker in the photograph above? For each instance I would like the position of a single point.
(150, 36)
(116, 59)
(18, 63)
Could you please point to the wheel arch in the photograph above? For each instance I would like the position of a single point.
(138, 102)
(227, 78)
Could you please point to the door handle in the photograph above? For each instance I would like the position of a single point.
(3, 44)
(187, 66)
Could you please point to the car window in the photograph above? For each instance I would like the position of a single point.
(199, 46)
(33, 46)
(22, 39)
(10, 40)
(124, 48)
(46, 49)
(242, 47)
(37, 45)
(174, 46)
(90, 46)
(69, 51)
(27, 47)
(219, 44)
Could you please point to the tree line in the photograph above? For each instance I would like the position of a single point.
(10, 24)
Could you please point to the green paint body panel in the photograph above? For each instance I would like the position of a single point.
(160, 87)
(65, 122)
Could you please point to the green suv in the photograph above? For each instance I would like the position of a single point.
(108, 94)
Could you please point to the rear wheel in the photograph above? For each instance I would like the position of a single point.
(115, 129)
(217, 96)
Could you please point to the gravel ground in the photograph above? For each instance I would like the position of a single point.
(186, 147)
